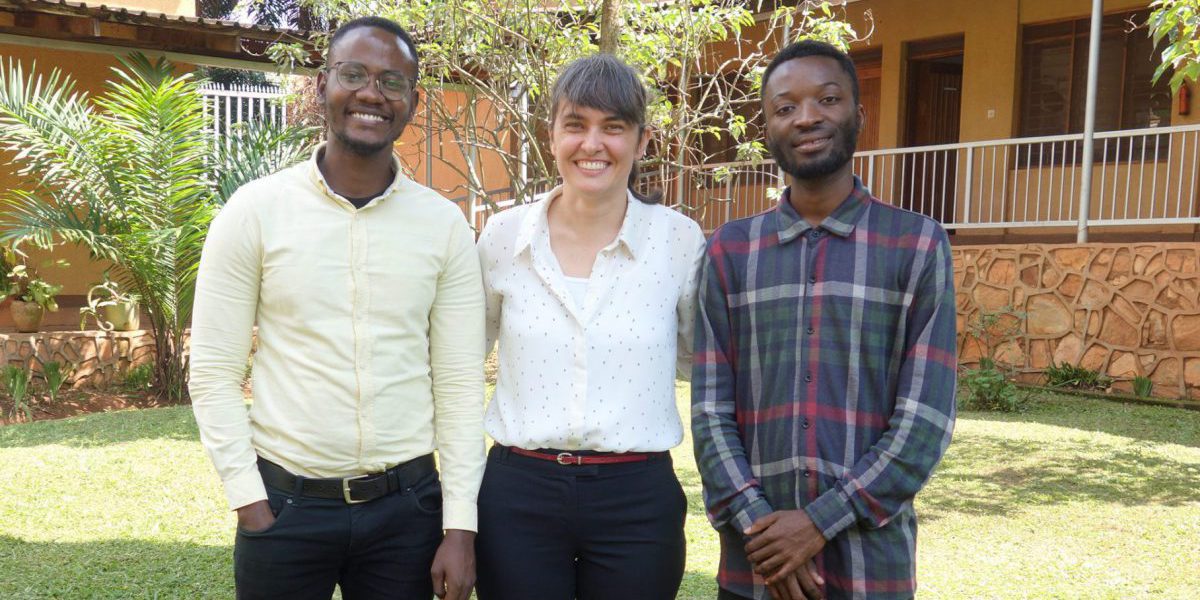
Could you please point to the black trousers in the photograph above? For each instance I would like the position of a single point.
(594, 532)
(379, 549)
(724, 594)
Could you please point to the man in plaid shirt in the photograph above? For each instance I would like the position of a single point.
(824, 371)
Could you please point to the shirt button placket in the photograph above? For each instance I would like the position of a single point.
(579, 384)
(358, 270)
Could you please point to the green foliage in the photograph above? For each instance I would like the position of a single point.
(23, 282)
(16, 382)
(139, 378)
(494, 62)
(132, 175)
(992, 330)
(990, 387)
(256, 149)
(1142, 386)
(55, 376)
(1177, 22)
(1067, 375)
(817, 21)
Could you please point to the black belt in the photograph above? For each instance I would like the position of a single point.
(355, 489)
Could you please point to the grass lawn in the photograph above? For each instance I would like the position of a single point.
(1076, 499)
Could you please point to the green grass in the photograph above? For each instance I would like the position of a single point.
(1077, 498)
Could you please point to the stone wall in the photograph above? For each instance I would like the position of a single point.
(1121, 309)
(96, 358)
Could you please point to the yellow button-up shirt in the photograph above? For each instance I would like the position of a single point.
(370, 336)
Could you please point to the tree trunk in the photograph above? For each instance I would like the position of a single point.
(609, 29)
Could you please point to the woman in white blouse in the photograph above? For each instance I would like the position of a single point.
(590, 292)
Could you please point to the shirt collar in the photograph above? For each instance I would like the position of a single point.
(535, 224)
(840, 222)
(318, 179)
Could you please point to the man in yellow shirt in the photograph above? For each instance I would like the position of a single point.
(366, 291)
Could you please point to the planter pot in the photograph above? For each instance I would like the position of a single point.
(27, 316)
(122, 316)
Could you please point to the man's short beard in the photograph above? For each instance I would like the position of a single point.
(361, 148)
(821, 167)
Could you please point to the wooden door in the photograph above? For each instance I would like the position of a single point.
(930, 179)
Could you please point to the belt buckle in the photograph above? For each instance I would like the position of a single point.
(346, 488)
(566, 458)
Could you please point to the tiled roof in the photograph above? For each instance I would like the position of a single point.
(252, 39)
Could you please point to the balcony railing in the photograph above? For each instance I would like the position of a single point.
(1140, 177)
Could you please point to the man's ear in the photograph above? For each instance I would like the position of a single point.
(322, 81)
(412, 106)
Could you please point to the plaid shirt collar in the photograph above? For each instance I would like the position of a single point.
(840, 223)
(535, 224)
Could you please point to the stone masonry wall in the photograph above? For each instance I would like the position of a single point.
(96, 358)
(1121, 309)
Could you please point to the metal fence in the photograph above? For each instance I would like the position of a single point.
(232, 104)
(1140, 177)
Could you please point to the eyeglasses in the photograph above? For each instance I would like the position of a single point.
(353, 76)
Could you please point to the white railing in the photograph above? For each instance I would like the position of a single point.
(231, 104)
(1140, 177)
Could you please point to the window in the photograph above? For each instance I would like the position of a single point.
(1054, 78)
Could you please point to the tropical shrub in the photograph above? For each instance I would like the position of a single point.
(139, 378)
(1142, 386)
(55, 375)
(1067, 375)
(15, 379)
(132, 175)
(990, 386)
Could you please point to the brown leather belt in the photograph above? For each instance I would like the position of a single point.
(567, 458)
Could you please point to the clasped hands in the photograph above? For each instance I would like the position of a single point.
(781, 549)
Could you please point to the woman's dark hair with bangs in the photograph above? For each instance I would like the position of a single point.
(606, 84)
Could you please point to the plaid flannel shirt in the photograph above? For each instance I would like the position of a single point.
(823, 380)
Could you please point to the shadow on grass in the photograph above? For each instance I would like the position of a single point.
(173, 423)
(114, 569)
(995, 476)
(1136, 421)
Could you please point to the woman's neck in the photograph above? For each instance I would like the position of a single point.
(580, 227)
(589, 215)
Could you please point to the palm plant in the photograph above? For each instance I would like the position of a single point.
(133, 176)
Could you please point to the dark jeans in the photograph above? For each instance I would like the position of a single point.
(379, 549)
(595, 532)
